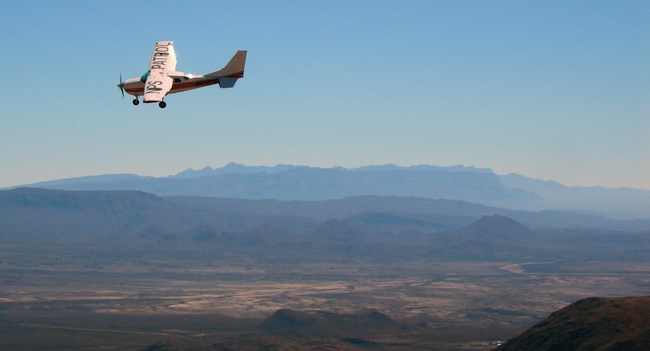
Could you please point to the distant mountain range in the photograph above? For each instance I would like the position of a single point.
(387, 228)
(290, 182)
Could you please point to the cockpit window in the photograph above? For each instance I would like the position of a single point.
(143, 79)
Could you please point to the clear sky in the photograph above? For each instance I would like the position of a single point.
(548, 89)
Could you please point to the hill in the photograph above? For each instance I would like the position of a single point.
(592, 324)
(85, 215)
(497, 228)
(501, 238)
(491, 237)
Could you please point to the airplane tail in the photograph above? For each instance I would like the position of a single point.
(232, 71)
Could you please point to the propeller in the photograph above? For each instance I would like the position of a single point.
(121, 85)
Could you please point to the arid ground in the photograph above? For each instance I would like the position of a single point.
(90, 297)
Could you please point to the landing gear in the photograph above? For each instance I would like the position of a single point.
(162, 104)
(136, 102)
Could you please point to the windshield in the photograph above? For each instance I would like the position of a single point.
(143, 79)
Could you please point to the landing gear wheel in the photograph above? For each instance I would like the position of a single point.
(136, 102)
(162, 104)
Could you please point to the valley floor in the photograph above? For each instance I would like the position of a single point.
(91, 298)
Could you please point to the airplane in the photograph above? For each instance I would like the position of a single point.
(162, 78)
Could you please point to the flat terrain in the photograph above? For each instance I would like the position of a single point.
(90, 297)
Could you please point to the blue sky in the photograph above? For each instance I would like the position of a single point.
(549, 89)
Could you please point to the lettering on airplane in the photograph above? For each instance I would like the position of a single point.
(159, 61)
(153, 87)
(160, 57)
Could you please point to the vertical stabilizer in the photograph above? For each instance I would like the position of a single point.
(232, 71)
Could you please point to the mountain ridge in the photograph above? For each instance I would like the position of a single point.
(295, 182)
(381, 228)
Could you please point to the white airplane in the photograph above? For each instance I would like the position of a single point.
(162, 78)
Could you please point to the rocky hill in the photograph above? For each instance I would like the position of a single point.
(592, 324)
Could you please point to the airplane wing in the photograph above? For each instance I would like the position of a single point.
(163, 62)
(158, 84)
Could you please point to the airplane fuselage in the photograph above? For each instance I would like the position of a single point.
(135, 86)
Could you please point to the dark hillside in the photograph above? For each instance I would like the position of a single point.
(497, 228)
(592, 324)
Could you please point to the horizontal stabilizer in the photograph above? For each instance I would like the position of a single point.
(226, 82)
